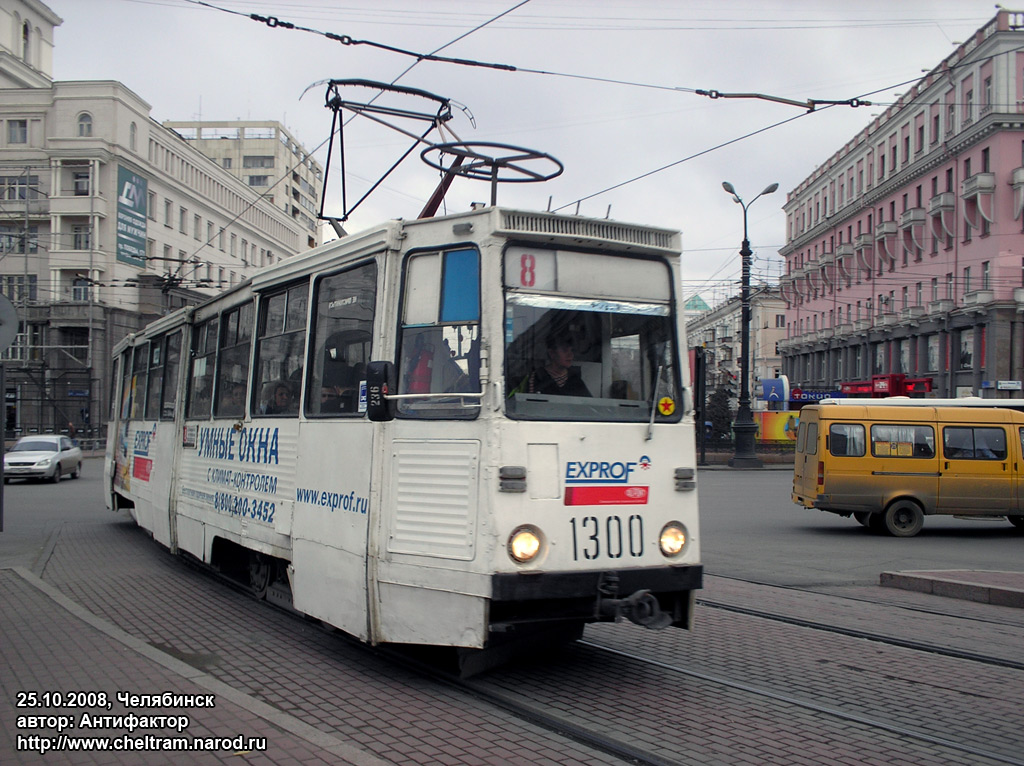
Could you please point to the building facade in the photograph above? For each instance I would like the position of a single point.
(717, 330)
(266, 157)
(107, 220)
(905, 249)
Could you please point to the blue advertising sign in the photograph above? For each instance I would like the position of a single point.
(131, 217)
(775, 389)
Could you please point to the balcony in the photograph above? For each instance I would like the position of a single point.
(915, 216)
(979, 297)
(75, 315)
(940, 307)
(889, 318)
(979, 183)
(885, 230)
(859, 325)
(911, 312)
(941, 202)
(79, 206)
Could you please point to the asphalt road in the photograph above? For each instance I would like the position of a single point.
(751, 530)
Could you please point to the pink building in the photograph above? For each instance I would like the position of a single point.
(905, 249)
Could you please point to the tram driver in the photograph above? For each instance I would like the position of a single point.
(557, 376)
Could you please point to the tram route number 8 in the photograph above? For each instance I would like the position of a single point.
(613, 538)
(527, 270)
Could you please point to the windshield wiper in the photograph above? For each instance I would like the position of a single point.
(654, 403)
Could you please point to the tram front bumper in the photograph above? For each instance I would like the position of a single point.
(654, 598)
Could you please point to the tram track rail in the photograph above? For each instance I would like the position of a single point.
(905, 643)
(561, 723)
(811, 705)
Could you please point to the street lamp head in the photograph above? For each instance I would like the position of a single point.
(771, 189)
(729, 188)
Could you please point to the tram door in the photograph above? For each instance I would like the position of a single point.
(336, 454)
(430, 455)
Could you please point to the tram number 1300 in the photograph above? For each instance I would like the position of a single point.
(612, 536)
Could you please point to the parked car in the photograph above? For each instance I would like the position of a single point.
(43, 457)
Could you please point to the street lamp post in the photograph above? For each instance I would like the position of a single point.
(744, 427)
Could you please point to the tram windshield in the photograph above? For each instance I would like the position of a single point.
(569, 356)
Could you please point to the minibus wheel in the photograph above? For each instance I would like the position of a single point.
(903, 518)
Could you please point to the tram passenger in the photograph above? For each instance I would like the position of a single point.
(281, 400)
(557, 376)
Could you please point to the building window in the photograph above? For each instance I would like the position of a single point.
(84, 125)
(197, 227)
(259, 180)
(80, 183)
(183, 220)
(985, 275)
(168, 212)
(80, 289)
(80, 239)
(227, 163)
(17, 131)
(257, 162)
(133, 137)
(14, 287)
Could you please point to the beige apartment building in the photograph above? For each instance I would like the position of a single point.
(107, 220)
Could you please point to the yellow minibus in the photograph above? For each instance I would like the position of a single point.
(891, 466)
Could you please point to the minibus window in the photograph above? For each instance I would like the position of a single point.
(846, 439)
(812, 439)
(966, 443)
(801, 437)
(902, 441)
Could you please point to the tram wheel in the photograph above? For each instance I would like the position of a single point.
(1017, 521)
(903, 518)
(261, 574)
(863, 518)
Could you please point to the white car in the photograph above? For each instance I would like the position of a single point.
(43, 457)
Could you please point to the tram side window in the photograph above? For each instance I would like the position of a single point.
(233, 365)
(156, 379)
(341, 342)
(440, 339)
(172, 363)
(967, 443)
(204, 352)
(895, 440)
(126, 384)
(282, 336)
(846, 440)
(114, 378)
(140, 377)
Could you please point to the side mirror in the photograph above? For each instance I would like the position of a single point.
(380, 381)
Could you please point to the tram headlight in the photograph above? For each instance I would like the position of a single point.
(524, 544)
(672, 538)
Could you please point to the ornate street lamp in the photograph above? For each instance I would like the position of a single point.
(744, 427)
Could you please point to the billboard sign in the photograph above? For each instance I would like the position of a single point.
(131, 217)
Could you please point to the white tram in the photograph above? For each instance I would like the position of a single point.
(451, 431)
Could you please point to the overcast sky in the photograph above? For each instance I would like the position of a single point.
(611, 96)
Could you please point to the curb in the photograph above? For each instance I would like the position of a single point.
(968, 586)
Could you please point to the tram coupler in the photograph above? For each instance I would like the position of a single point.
(640, 608)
